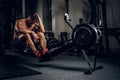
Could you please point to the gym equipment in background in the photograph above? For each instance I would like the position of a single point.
(64, 37)
(84, 36)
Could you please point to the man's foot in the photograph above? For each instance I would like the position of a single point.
(45, 51)
(45, 57)
(38, 54)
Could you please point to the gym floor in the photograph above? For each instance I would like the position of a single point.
(66, 67)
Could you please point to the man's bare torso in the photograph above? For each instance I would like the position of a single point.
(21, 23)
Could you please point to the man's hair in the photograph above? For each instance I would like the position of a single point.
(34, 17)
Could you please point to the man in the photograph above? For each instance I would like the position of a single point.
(32, 29)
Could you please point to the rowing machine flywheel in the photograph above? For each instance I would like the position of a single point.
(85, 35)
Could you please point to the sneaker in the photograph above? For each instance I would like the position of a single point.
(38, 54)
(45, 51)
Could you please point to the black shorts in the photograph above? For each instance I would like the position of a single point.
(19, 43)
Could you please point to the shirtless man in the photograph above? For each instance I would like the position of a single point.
(31, 27)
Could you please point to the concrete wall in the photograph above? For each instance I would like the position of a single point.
(77, 9)
(58, 9)
(113, 13)
(113, 21)
(40, 8)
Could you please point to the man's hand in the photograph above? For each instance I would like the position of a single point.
(36, 24)
(36, 14)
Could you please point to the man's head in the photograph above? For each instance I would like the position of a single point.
(32, 18)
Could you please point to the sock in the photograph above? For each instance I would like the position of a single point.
(44, 51)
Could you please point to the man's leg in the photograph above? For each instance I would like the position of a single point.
(42, 42)
(32, 46)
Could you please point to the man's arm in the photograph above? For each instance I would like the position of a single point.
(33, 26)
(21, 27)
(41, 26)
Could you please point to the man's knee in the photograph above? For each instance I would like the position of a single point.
(28, 36)
(41, 34)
